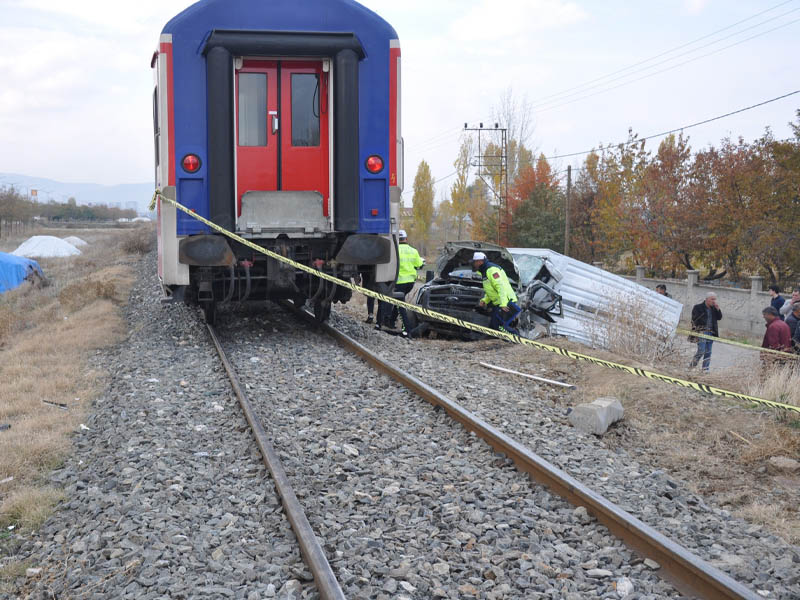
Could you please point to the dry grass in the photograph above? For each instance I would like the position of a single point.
(46, 336)
(139, 240)
(29, 507)
(778, 382)
(12, 571)
(719, 447)
(631, 326)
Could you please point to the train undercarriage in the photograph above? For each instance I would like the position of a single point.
(223, 272)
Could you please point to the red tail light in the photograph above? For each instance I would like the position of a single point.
(191, 163)
(374, 164)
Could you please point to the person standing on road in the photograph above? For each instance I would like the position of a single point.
(705, 319)
(787, 306)
(778, 335)
(777, 300)
(410, 262)
(498, 294)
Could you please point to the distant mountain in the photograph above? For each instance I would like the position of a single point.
(129, 195)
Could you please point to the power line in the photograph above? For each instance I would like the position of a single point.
(663, 133)
(439, 136)
(445, 177)
(671, 50)
(691, 60)
(446, 137)
(688, 52)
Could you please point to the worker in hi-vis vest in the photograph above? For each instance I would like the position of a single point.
(409, 262)
(498, 294)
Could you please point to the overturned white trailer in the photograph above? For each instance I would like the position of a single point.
(599, 306)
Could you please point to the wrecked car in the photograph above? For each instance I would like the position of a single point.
(455, 290)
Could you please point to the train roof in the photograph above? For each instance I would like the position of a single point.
(278, 15)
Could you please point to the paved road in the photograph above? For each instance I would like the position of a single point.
(725, 356)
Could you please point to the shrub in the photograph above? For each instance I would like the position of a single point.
(633, 327)
(77, 295)
(139, 241)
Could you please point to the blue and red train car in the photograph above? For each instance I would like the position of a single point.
(278, 120)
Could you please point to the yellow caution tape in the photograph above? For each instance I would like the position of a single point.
(700, 387)
(735, 343)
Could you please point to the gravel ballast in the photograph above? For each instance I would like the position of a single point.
(167, 496)
(406, 502)
(535, 415)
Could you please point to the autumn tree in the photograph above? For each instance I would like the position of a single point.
(531, 177)
(670, 234)
(445, 223)
(584, 235)
(459, 193)
(423, 204)
(619, 208)
(482, 212)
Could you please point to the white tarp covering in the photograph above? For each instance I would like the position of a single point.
(45, 246)
(76, 241)
(588, 293)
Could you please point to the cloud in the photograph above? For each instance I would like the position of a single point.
(694, 7)
(491, 21)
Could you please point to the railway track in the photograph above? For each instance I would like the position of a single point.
(686, 571)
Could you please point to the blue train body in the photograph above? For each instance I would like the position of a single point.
(279, 120)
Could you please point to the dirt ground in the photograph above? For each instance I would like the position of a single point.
(719, 448)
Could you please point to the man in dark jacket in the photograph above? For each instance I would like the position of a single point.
(777, 300)
(705, 317)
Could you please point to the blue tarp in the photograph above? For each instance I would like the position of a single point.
(14, 270)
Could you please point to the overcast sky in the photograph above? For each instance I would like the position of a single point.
(75, 99)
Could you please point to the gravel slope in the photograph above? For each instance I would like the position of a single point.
(167, 495)
(408, 504)
(534, 415)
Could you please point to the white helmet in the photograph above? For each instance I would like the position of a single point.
(478, 256)
(402, 234)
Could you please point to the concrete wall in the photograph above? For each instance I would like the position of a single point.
(741, 308)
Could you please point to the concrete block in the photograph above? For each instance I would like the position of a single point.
(596, 417)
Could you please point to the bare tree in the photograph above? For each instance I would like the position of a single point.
(516, 115)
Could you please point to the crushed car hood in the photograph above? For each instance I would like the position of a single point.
(457, 256)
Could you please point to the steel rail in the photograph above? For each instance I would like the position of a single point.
(326, 582)
(688, 572)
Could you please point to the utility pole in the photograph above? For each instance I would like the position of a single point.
(481, 162)
(566, 210)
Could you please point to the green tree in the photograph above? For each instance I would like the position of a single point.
(539, 219)
(423, 204)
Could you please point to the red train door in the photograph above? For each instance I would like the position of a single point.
(282, 140)
(305, 159)
(257, 127)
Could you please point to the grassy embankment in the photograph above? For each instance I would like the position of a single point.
(48, 331)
